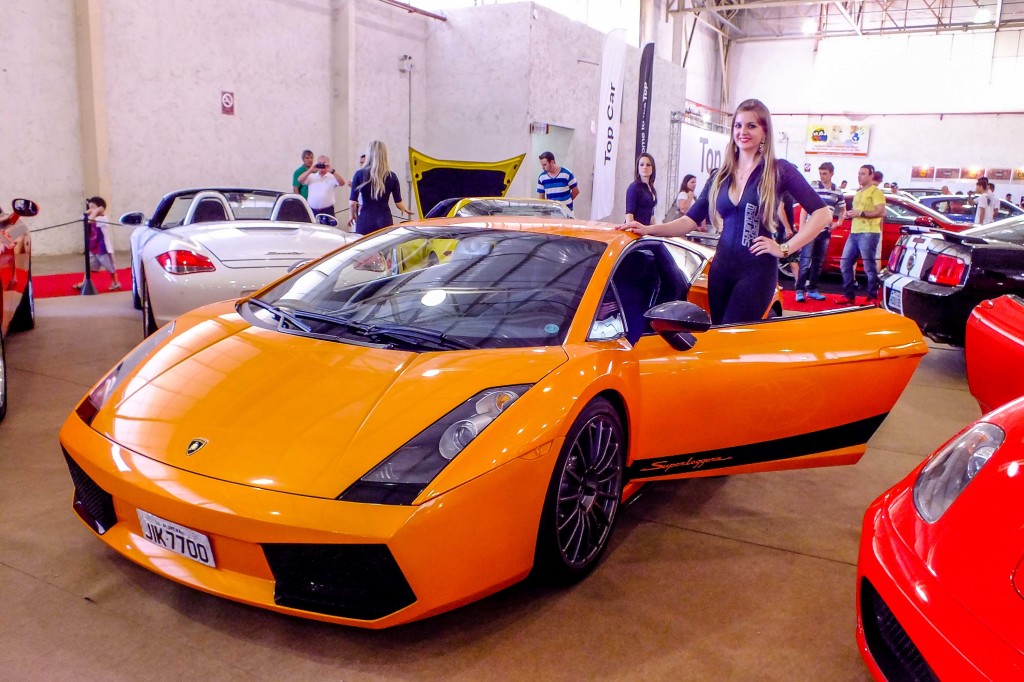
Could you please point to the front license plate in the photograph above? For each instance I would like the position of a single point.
(896, 300)
(178, 539)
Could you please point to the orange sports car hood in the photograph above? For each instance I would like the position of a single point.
(296, 414)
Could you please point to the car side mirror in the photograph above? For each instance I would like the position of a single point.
(677, 321)
(924, 221)
(328, 220)
(133, 218)
(26, 208)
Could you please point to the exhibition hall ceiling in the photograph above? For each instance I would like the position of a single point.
(750, 20)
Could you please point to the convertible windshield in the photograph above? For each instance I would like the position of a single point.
(245, 205)
(442, 288)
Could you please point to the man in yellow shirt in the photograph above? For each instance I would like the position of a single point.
(865, 236)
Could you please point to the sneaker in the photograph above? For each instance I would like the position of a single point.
(78, 287)
(846, 300)
(114, 286)
(816, 295)
(799, 297)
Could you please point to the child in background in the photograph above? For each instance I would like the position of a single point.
(101, 249)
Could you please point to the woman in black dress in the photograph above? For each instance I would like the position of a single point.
(641, 197)
(742, 201)
(376, 184)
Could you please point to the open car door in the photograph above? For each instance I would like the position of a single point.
(787, 393)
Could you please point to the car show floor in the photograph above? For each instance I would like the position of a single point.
(735, 578)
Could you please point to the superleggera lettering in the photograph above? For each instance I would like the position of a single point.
(666, 467)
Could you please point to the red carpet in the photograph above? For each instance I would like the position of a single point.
(812, 306)
(51, 286)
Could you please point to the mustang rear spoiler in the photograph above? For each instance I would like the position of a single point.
(948, 235)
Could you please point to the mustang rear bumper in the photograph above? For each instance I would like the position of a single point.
(271, 548)
(909, 626)
(940, 312)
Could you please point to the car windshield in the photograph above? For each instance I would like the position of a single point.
(537, 209)
(425, 288)
(1009, 230)
(245, 205)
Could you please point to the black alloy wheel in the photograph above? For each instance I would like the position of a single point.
(3, 380)
(25, 314)
(148, 319)
(584, 495)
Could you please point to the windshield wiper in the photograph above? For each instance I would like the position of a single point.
(401, 333)
(281, 315)
(419, 335)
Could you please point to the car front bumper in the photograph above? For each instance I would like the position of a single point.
(908, 625)
(270, 548)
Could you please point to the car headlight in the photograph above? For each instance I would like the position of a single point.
(97, 398)
(952, 468)
(401, 477)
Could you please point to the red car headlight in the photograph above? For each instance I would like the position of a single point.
(953, 467)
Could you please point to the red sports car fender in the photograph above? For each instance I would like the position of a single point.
(995, 351)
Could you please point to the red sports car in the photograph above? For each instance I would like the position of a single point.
(17, 309)
(995, 351)
(940, 580)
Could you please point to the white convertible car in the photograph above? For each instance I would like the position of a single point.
(206, 245)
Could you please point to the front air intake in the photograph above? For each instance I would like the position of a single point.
(890, 645)
(362, 582)
(92, 503)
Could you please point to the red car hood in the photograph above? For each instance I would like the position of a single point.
(975, 549)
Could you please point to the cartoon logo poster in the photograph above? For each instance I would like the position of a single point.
(837, 139)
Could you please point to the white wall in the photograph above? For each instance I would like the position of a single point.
(39, 117)
(968, 72)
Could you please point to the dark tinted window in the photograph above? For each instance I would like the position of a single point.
(485, 287)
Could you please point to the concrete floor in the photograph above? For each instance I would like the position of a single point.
(743, 578)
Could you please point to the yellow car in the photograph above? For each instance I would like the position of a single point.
(370, 446)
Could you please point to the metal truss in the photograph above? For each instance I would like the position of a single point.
(756, 20)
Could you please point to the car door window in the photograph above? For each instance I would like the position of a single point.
(609, 322)
(901, 215)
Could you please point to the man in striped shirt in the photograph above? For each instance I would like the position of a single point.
(556, 183)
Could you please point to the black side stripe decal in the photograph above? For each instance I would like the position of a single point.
(844, 436)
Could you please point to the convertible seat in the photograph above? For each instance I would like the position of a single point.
(209, 211)
(293, 211)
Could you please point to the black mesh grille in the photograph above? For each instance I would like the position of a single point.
(93, 503)
(890, 645)
(350, 581)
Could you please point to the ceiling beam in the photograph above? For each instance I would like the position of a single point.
(849, 19)
(999, 13)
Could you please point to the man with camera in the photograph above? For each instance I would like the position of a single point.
(320, 181)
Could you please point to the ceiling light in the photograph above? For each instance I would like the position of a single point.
(810, 26)
(983, 16)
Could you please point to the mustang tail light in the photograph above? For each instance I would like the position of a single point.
(948, 270)
(895, 257)
(185, 262)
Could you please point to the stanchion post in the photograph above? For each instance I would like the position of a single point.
(88, 288)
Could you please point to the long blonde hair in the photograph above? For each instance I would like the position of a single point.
(379, 170)
(766, 189)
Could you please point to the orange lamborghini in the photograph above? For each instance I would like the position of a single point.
(377, 438)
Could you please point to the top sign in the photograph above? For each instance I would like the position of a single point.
(227, 103)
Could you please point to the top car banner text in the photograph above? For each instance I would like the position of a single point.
(609, 114)
(837, 139)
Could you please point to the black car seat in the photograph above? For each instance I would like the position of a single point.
(209, 211)
(637, 283)
(293, 211)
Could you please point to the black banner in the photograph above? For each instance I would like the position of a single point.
(643, 99)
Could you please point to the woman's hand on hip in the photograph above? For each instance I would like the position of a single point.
(763, 245)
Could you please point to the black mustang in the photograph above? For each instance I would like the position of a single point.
(936, 278)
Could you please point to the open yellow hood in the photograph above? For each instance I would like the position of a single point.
(435, 180)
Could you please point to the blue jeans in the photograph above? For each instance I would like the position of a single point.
(811, 257)
(863, 245)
